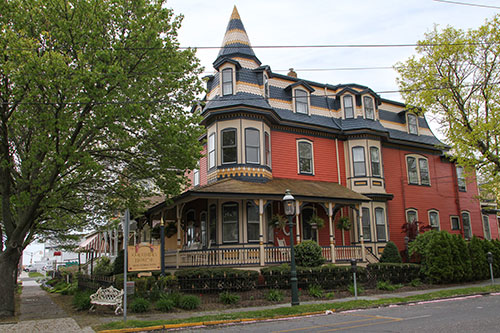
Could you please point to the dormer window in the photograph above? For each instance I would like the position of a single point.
(368, 105)
(227, 81)
(301, 103)
(348, 107)
(412, 124)
(266, 86)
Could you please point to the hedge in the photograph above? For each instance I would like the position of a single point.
(216, 279)
(395, 273)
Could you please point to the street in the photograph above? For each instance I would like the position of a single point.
(463, 314)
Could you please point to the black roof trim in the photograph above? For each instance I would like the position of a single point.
(222, 60)
(300, 83)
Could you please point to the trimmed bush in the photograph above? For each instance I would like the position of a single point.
(479, 262)
(391, 254)
(139, 305)
(189, 302)
(228, 298)
(216, 279)
(315, 291)
(165, 304)
(308, 254)
(81, 300)
(393, 273)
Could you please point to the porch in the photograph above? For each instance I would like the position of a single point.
(252, 256)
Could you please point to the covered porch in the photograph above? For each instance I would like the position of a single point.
(234, 223)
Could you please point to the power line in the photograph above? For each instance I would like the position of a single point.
(241, 99)
(467, 4)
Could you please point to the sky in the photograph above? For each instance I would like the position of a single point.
(316, 22)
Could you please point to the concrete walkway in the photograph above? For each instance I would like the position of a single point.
(38, 313)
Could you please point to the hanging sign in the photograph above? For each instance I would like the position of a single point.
(144, 257)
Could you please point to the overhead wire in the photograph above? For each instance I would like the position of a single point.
(467, 4)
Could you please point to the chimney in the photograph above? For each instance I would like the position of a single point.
(292, 73)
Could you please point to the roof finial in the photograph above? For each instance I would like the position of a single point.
(235, 15)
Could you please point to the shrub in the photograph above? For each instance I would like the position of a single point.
(386, 285)
(140, 304)
(118, 263)
(391, 254)
(360, 289)
(216, 279)
(308, 254)
(167, 282)
(393, 273)
(330, 295)
(479, 262)
(415, 283)
(315, 291)
(103, 267)
(274, 295)
(81, 300)
(228, 298)
(165, 304)
(189, 302)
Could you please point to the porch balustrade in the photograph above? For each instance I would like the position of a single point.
(250, 256)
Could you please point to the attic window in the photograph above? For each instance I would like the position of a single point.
(412, 124)
(301, 103)
(227, 81)
(348, 107)
(266, 86)
(368, 104)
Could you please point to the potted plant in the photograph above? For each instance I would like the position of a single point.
(170, 229)
(344, 224)
(279, 221)
(316, 222)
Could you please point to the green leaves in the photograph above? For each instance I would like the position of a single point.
(456, 77)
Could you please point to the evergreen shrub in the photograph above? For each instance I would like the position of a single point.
(189, 302)
(118, 263)
(216, 279)
(139, 305)
(164, 304)
(308, 254)
(391, 254)
(393, 273)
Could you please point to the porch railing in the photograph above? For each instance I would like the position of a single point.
(249, 256)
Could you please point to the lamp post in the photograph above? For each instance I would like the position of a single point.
(289, 203)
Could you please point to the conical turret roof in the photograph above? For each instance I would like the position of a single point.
(236, 42)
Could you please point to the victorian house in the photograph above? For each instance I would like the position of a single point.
(363, 164)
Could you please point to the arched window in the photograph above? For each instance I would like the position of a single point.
(380, 224)
(368, 105)
(486, 227)
(305, 157)
(418, 170)
(375, 161)
(466, 225)
(412, 124)
(434, 219)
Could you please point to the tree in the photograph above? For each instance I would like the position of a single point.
(391, 254)
(456, 77)
(93, 116)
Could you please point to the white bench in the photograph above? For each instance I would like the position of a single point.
(108, 296)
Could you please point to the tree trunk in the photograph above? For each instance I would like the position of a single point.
(8, 263)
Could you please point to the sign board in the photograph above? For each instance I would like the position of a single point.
(130, 287)
(144, 257)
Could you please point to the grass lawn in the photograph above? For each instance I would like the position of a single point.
(35, 274)
(302, 309)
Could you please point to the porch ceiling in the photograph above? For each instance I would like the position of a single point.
(274, 190)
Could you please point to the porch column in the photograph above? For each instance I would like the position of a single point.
(178, 254)
(297, 222)
(332, 231)
(261, 233)
(361, 238)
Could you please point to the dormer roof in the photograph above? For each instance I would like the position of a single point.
(236, 41)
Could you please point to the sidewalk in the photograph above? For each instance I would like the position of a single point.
(38, 313)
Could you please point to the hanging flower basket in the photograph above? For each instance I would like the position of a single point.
(279, 221)
(344, 223)
(316, 222)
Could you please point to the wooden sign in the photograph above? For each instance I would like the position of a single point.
(144, 257)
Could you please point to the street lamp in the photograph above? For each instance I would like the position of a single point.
(289, 203)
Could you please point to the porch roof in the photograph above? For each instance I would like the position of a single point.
(274, 189)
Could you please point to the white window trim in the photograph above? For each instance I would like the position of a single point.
(376, 224)
(308, 96)
(417, 160)
(196, 177)
(370, 223)
(238, 218)
(214, 150)
(379, 162)
(353, 101)
(373, 108)
(221, 85)
(221, 144)
(298, 157)
(438, 219)
(408, 123)
(451, 222)
(249, 202)
(411, 210)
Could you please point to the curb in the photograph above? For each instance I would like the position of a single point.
(210, 323)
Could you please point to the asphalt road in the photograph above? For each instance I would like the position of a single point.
(463, 314)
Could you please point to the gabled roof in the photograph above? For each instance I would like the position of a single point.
(236, 41)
